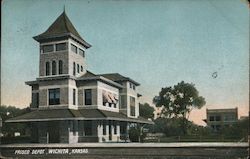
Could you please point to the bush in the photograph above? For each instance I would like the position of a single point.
(135, 133)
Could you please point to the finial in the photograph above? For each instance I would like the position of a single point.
(64, 8)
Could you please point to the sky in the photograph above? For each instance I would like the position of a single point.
(156, 43)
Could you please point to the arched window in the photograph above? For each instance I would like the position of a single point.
(47, 68)
(74, 68)
(60, 71)
(78, 68)
(81, 69)
(53, 67)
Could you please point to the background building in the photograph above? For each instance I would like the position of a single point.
(219, 118)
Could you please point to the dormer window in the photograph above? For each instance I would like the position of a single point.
(88, 96)
(81, 52)
(73, 48)
(74, 68)
(78, 68)
(47, 48)
(132, 106)
(61, 46)
(74, 96)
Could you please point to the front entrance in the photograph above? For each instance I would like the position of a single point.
(53, 132)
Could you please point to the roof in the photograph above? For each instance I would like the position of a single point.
(71, 114)
(62, 27)
(118, 78)
(226, 110)
(88, 76)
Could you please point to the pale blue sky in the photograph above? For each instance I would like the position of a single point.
(157, 43)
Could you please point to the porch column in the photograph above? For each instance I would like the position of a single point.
(100, 131)
(112, 130)
(107, 128)
(127, 131)
(118, 130)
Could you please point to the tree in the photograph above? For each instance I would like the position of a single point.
(7, 112)
(238, 129)
(178, 101)
(146, 111)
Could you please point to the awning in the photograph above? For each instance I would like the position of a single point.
(111, 96)
(116, 98)
(106, 97)
(70, 114)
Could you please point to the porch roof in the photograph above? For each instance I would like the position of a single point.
(71, 114)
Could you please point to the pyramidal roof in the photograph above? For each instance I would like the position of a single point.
(61, 27)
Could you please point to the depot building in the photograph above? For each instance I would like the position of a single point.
(69, 103)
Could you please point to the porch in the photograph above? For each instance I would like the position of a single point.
(79, 131)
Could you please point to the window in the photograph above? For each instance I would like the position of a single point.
(47, 68)
(81, 52)
(78, 68)
(54, 96)
(104, 128)
(35, 100)
(74, 68)
(133, 87)
(61, 46)
(123, 100)
(74, 96)
(132, 106)
(53, 67)
(81, 69)
(88, 97)
(130, 85)
(60, 67)
(73, 48)
(47, 48)
(217, 118)
(211, 118)
(229, 117)
(104, 100)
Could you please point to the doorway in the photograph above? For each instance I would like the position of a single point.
(53, 132)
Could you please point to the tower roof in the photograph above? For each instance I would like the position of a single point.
(61, 27)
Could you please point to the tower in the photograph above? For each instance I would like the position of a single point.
(62, 50)
(61, 62)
